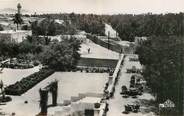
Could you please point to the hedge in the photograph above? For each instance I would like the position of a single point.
(28, 82)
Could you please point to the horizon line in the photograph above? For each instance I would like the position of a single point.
(58, 12)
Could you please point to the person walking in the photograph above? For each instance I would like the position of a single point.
(88, 50)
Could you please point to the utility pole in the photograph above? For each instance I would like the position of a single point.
(108, 39)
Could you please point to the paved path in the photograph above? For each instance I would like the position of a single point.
(116, 104)
(97, 51)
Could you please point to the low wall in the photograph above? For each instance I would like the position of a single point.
(94, 62)
(113, 79)
(103, 109)
(113, 47)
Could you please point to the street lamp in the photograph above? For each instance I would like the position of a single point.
(108, 39)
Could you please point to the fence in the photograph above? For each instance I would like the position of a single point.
(105, 44)
(112, 45)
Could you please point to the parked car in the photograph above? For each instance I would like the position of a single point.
(124, 90)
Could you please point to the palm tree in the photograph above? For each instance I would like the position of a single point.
(17, 20)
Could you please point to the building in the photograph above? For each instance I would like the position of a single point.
(139, 40)
(109, 31)
(88, 106)
(59, 38)
(14, 36)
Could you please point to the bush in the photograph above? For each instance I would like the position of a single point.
(27, 83)
(36, 63)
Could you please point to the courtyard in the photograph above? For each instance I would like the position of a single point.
(70, 84)
(10, 76)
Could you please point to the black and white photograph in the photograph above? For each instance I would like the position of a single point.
(91, 57)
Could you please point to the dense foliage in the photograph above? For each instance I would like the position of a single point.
(163, 61)
(57, 55)
(90, 23)
(128, 26)
(49, 27)
(61, 55)
(8, 48)
(24, 49)
(1, 28)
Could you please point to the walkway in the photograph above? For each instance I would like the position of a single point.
(97, 51)
(116, 104)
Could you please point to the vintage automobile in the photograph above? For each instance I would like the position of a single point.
(132, 81)
(134, 92)
(131, 108)
(124, 90)
(134, 70)
(134, 59)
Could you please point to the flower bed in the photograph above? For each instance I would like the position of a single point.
(27, 83)
(15, 63)
(95, 62)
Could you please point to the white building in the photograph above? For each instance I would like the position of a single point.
(81, 108)
(80, 37)
(109, 31)
(139, 40)
(14, 36)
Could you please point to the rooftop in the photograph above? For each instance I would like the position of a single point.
(12, 31)
(90, 100)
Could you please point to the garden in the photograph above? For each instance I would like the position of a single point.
(28, 82)
(16, 63)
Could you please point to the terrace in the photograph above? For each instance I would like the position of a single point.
(71, 84)
(10, 76)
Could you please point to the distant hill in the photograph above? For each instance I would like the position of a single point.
(13, 11)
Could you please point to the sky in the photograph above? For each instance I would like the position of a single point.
(97, 6)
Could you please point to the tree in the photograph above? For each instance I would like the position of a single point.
(47, 40)
(61, 55)
(162, 57)
(48, 27)
(1, 28)
(51, 28)
(25, 27)
(8, 49)
(17, 20)
(30, 45)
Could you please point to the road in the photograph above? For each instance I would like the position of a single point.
(116, 104)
